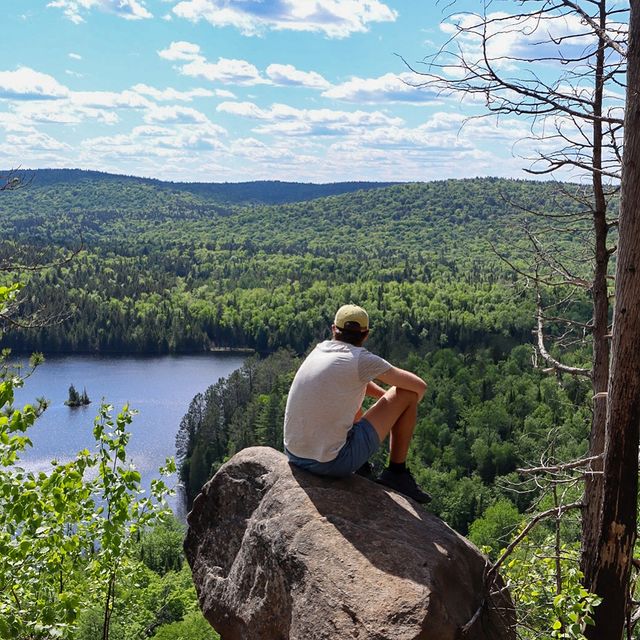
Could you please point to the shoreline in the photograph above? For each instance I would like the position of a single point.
(134, 354)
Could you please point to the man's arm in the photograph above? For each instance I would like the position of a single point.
(403, 379)
(374, 391)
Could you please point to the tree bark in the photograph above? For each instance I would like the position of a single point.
(593, 483)
(617, 531)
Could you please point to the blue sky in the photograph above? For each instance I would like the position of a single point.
(235, 90)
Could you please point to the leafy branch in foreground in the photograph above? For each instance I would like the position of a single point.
(531, 575)
(64, 533)
(122, 513)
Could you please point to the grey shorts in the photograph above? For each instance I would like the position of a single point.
(362, 442)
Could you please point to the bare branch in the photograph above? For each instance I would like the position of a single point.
(14, 180)
(555, 511)
(602, 34)
(492, 570)
(14, 266)
(560, 467)
(556, 364)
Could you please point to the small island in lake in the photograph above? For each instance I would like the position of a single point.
(76, 399)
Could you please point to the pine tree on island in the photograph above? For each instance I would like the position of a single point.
(75, 399)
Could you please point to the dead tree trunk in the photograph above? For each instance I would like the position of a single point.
(600, 376)
(617, 531)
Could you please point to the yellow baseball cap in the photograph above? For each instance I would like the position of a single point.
(350, 315)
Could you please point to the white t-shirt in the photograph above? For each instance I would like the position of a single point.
(326, 393)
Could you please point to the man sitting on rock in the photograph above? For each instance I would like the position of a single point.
(325, 431)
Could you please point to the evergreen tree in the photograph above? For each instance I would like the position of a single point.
(74, 399)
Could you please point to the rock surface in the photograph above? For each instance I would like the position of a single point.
(280, 554)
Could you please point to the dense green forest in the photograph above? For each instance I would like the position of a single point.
(118, 264)
(163, 269)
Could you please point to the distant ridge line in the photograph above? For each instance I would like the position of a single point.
(58, 173)
(252, 191)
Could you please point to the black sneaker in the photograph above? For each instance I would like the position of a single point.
(366, 471)
(404, 483)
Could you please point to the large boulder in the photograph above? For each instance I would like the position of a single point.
(280, 554)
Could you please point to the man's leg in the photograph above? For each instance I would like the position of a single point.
(395, 414)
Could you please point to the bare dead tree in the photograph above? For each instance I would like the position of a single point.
(14, 179)
(616, 536)
(565, 74)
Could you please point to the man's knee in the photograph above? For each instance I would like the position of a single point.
(406, 396)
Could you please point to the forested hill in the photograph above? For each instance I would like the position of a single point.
(256, 191)
(160, 269)
(165, 269)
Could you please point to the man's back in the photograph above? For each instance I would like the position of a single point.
(326, 393)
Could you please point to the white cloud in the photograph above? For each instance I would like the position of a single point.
(36, 99)
(398, 138)
(72, 9)
(75, 56)
(226, 70)
(27, 84)
(513, 141)
(334, 18)
(62, 112)
(288, 75)
(243, 109)
(130, 9)
(32, 94)
(223, 93)
(174, 115)
(201, 150)
(181, 143)
(446, 128)
(110, 99)
(253, 149)
(165, 95)
(13, 122)
(379, 150)
(285, 120)
(390, 87)
(151, 131)
(37, 141)
(127, 9)
(120, 146)
(508, 36)
(300, 128)
(180, 50)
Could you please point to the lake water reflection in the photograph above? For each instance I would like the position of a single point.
(159, 388)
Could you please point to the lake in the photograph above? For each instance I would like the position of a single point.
(160, 388)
